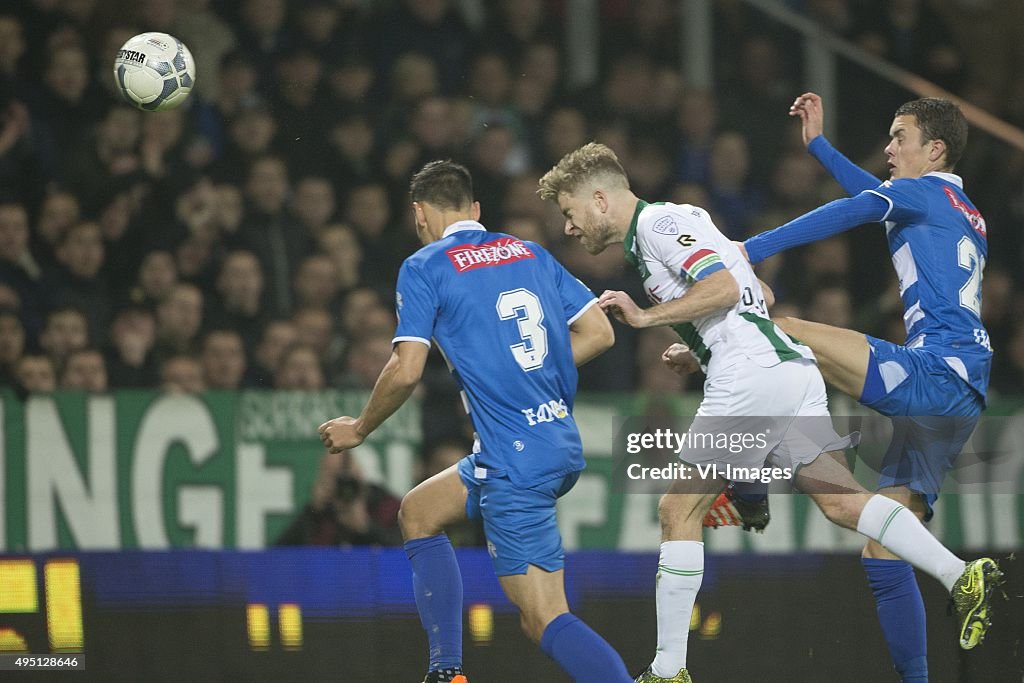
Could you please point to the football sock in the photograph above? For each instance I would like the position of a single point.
(437, 586)
(750, 491)
(581, 652)
(901, 614)
(680, 571)
(894, 526)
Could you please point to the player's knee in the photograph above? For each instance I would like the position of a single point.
(840, 508)
(535, 622)
(412, 520)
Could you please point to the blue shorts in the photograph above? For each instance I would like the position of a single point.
(519, 522)
(934, 413)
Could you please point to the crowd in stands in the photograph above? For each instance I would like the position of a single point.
(251, 238)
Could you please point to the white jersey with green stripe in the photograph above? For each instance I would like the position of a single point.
(676, 245)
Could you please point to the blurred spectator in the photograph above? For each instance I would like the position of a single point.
(223, 359)
(345, 509)
(367, 356)
(697, 124)
(80, 280)
(64, 106)
(348, 158)
(298, 369)
(178, 320)
(315, 328)
(239, 304)
(358, 309)
(565, 129)
(263, 30)
(316, 283)
(735, 197)
(60, 210)
(300, 105)
(199, 24)
(313, 204)
(18, 269)
(86, 370)
(35, 374)
(910, 34)
(270, 232)
(157, 276)
(130, 361)
(109, 156)
(278, 335)
(428, 27)
(518, 23)
(251, 133)
(12, 344)
(66, 329)
(368, 210)
(182, 373)
(341, 245)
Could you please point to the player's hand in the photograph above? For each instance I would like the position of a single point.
(743, 250)
(812, 115)
(622, 307)
(680, 360)
(340, 434)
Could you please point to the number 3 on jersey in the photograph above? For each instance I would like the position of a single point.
(524, 306)
(969, 259)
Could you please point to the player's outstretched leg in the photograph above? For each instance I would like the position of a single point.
(546, 620)
(437, 581)
(895, 527)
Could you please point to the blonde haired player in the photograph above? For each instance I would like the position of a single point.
(700, 284)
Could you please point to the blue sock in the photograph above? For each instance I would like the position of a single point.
(750, 492)
(583, 654)
(437, 585)
(901, 613)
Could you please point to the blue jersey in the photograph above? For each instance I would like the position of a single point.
(500, 309)
(938, 243)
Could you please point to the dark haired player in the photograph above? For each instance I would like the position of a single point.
(513, 325)
(934, 384)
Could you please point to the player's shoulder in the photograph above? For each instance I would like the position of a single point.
(662, 219)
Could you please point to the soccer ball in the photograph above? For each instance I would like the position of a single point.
(154, 71)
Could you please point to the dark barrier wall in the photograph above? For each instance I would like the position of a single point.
(348, 615)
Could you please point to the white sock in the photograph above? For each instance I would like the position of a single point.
(898, 529)
(680, 571)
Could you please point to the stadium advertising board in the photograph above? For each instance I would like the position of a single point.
(223, 470)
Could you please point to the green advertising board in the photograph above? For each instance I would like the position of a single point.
(230, 470)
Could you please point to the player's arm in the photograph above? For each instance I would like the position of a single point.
(852, 177)
(590, 334)
(708, 295)
(824, 222)
(395, 385)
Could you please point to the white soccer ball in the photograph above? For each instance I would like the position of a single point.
(154, 71)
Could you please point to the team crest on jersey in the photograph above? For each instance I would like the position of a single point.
(665, 226)
(973, 216)
(494, 253)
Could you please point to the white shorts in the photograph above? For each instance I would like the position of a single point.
(776, 417)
